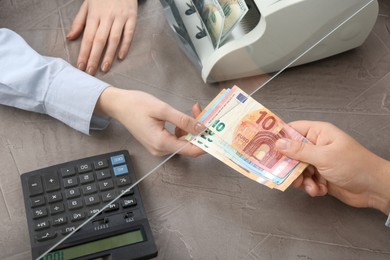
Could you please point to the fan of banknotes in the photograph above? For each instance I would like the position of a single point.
(219, 17)
(242, 134)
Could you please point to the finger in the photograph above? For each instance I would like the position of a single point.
(310, 187)
(322, 189)
(167, 143)
(99, 42)
(86, 43)
(182, 121)
(112, 45)
(297, 183)
(78, 22)
(302, 126)
(196, 110)
(192, 151)
(128, 32)
(301, 151)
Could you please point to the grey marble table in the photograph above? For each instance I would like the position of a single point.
(199, 208)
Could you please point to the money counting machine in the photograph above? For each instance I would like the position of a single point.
(272, 34)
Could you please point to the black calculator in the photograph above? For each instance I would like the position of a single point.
(60, 198)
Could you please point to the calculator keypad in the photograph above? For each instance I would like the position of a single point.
(61, 197)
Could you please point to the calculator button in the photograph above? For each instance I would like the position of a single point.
(59, 220)
(86, 178)
(126, 203)
(75, 204)
(67, 230)
(89, 189)
(123, 181)
(47, 235)
(39, 213)
(92, 200)
(67, 171)
(103, 174)
(129, 192)
(106, 185)
(56, 208)
(101, 164)
(77, 216)
(54, 197)
(112, 207)
(119, 170)
(37, 201)
(51, 181)
(108, 196)
(85, 167)
(70, 182)
(41, 225)
(118, 159)
(35, 185)
(92, 212)
(72, 193)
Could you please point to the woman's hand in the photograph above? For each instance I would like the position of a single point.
(106, 24)
(145, 117)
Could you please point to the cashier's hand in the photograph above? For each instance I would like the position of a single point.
(340, 166)
(106, 24)
(145, 117)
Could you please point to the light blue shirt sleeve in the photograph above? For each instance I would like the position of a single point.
(47, 85)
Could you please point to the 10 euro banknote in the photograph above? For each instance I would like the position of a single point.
(242, 134)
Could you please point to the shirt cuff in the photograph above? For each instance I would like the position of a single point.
(72, 98)
(387, 224)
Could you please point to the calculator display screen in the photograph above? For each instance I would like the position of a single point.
(97, 246)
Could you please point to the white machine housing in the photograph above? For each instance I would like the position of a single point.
(272, 34)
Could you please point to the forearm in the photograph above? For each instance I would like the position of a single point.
(46, 85)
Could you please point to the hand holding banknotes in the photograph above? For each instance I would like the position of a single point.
(340, 166)
(145, 117)
(108, 24)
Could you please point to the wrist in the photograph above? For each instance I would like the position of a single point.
(107, 102)
(380, 187)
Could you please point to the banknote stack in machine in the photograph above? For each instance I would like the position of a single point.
(242, 133)
(220, 17)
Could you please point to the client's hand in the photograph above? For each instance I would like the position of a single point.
(340, 166)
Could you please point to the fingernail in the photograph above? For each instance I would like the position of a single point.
(105, 67)
(90, 70)
(308, 189)
(81, 66)
(68, 36)
(199, 127)
(282, 144)
(121, 55)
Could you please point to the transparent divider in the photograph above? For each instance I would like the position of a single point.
(74, 240)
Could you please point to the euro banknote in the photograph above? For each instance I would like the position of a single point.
(242, 134)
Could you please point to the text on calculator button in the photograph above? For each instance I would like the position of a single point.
(118, 159)
(45, 236)
(67, 171)
(37, 201)
(100, 164)
(85, 167)
(119, 170)
(35, 185)
(51, 181)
